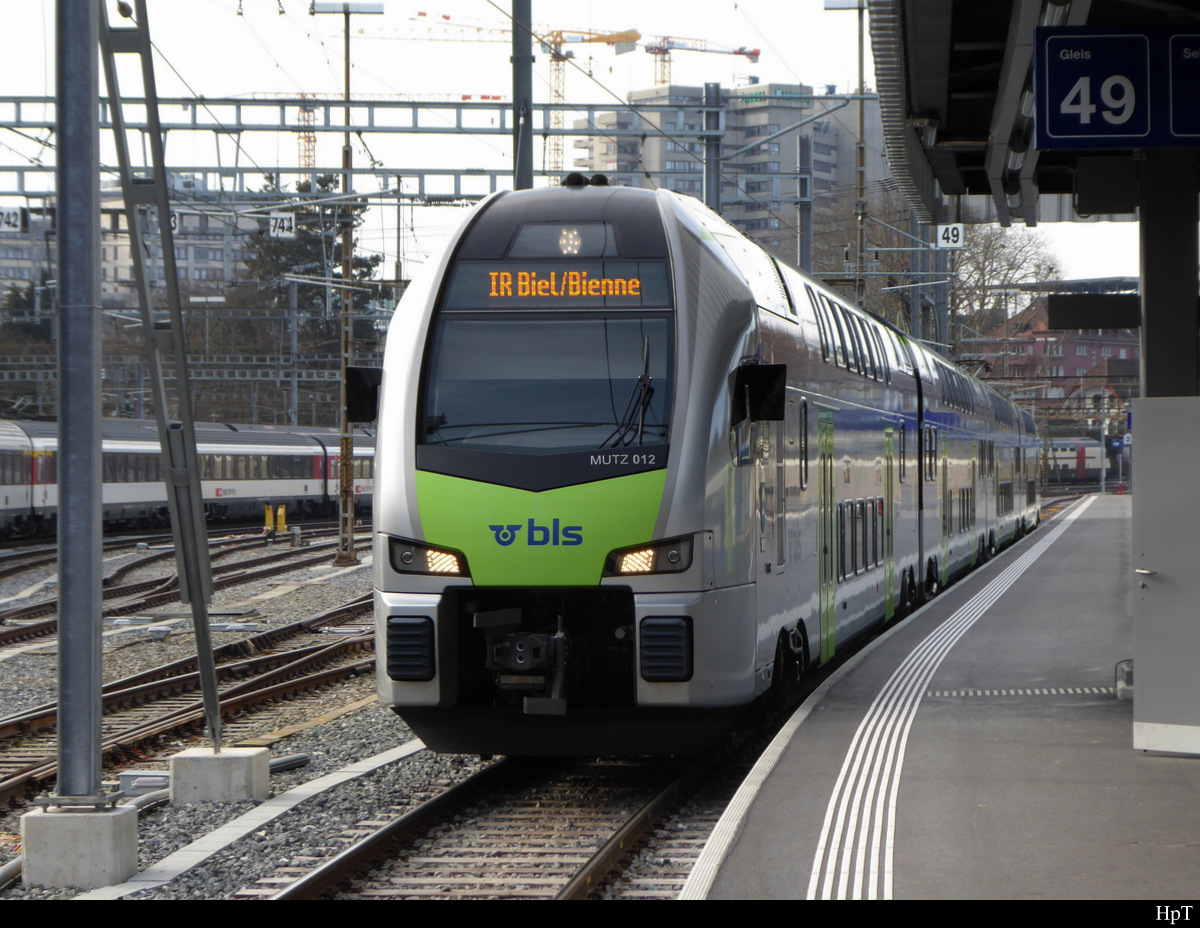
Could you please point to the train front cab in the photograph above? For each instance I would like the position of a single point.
(530, 597)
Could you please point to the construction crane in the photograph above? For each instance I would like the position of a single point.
(662, 46)
(552, 41)
(552, 44)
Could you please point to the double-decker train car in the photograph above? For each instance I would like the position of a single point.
(1073, 460)
(633, 475)
(242, 469)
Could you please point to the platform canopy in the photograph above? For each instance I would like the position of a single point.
(954, 79)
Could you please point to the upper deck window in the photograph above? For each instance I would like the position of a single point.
(566, 240)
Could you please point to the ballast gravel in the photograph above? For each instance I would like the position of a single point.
(312, 828)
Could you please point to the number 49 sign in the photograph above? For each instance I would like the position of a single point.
(1097, 87)
(1115, 89)
(949, 236)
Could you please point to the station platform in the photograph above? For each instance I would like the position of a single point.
(978, 750)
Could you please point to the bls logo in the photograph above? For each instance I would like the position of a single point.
(538, 535)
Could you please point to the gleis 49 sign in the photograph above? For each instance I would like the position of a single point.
(1116, 89)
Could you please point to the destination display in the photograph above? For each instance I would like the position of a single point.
(1116, 88)
(558, 284)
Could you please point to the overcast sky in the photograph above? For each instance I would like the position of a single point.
(415, 50)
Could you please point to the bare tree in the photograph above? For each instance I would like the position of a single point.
(994, 260)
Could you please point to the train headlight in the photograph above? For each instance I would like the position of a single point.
(411, 557)
(662, 557)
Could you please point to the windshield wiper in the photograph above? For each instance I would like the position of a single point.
(635, 410)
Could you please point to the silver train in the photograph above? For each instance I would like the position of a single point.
(633, 475)
(243, 468)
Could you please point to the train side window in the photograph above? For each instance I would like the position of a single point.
(787, 291)
(863, 539)
(868, 350)
(903, 451)
(854, 518)
(885, 368)
(840, 356)
(853, 349)
(903, 361)
(822, 323)
(922, 364)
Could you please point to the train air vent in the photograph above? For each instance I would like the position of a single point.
(410, 648)
(666, 649)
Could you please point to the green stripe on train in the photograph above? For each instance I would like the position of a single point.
(553, 538)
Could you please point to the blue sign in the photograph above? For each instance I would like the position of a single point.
(1185, 86)
(1116, 88)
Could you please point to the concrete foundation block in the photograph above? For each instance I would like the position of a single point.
(85, 849)
(199, 775)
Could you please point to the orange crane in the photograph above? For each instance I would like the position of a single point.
(442, 27)
(552, 43)
(662, 46)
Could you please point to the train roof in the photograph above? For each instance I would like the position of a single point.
(632, 211)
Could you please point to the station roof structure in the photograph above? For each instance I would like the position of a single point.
(954, 79)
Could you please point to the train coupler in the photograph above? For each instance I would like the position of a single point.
(529, 663)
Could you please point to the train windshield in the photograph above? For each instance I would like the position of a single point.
(544, 383)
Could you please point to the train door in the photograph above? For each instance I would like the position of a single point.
(769, 476)
(889, 519)
(947, 512)
(827, 561)
(971, 513)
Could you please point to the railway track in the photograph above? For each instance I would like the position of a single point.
(519, 829)
(538, 828)
(18, 627)
(167, 699)
(18, 560)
